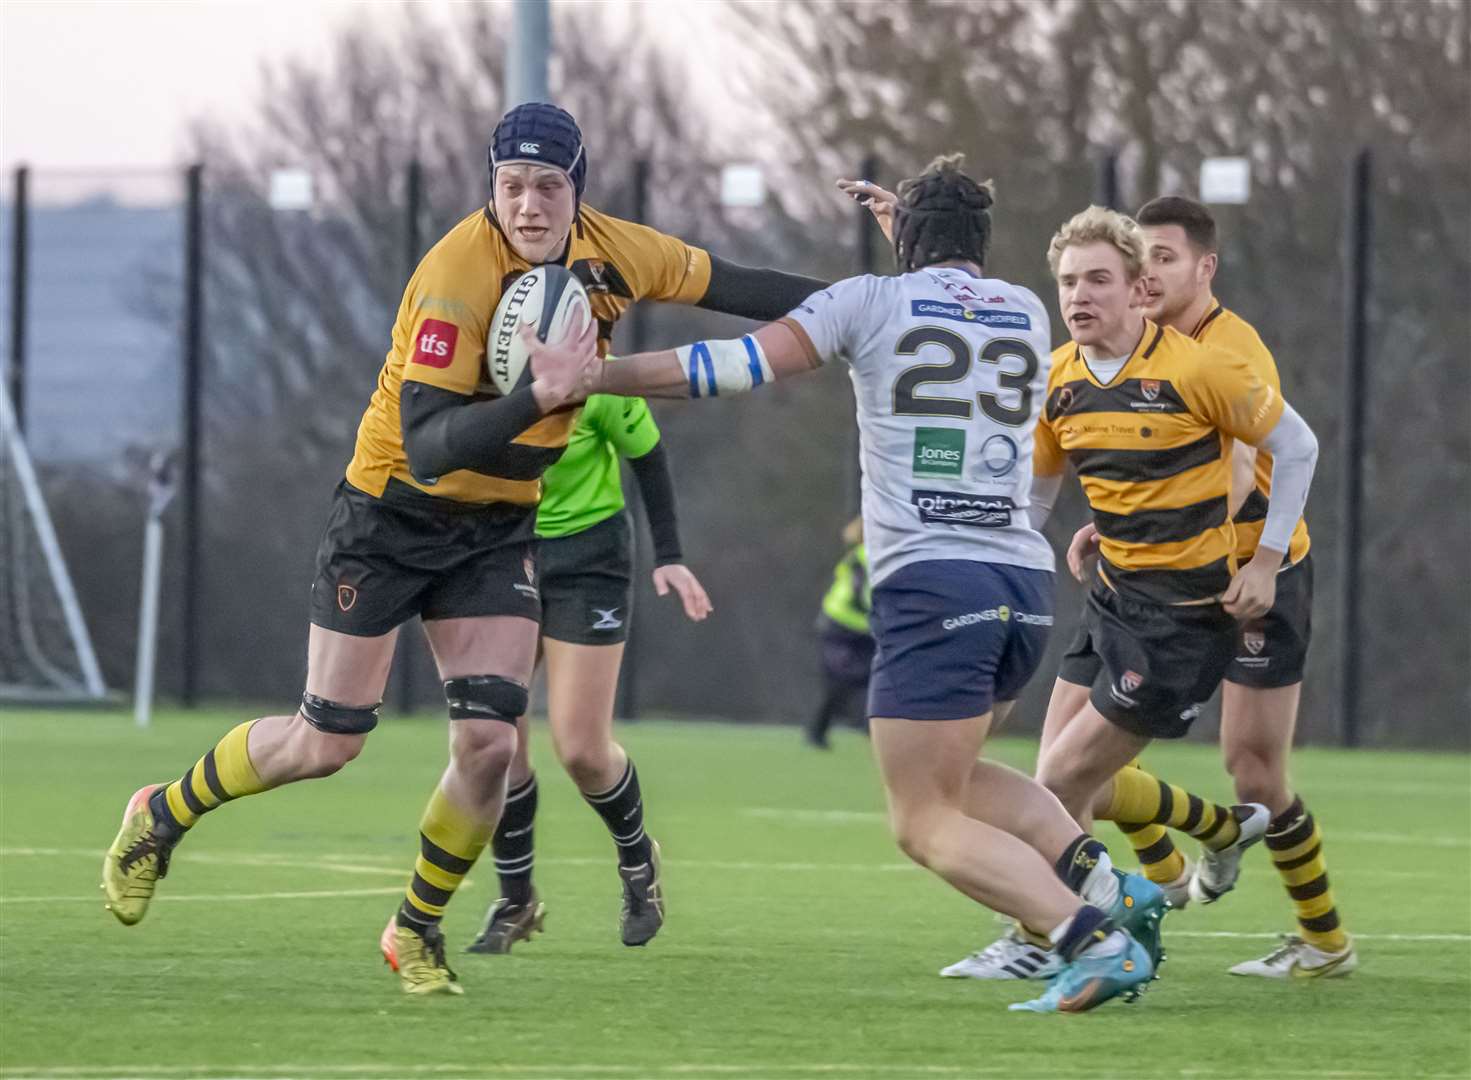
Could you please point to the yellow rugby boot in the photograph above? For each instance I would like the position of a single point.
(420, 961)
(137, 860)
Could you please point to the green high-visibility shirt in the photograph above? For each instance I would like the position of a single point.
(585, 486)
(850, 598)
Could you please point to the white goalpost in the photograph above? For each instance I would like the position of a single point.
(45, 652)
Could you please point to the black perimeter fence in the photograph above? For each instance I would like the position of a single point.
(120, 346)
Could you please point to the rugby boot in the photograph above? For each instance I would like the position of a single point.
(509, 923)
(1296, 959)
(419, 961)
(1010, 956)
(1140, 908)
(643, 899)
(1117, 967)
(1216, 873)
(137, 860)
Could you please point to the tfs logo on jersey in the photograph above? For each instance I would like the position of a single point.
(958, 508)
(436, 343)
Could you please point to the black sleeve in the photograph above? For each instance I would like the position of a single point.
(756, 294)
(442, 432)
(656, 486)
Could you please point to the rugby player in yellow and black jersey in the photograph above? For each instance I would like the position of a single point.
(1147, 418)
(1263, 683)
(436, 518)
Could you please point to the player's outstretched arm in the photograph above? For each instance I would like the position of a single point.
(755, 293)
(703, 369)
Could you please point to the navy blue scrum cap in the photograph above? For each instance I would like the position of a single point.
(540, 133)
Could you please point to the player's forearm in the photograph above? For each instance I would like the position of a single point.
(1042, 499)
(1294, 450)
(656, 374)
(656, 489)
(443, 432)
(707, 369)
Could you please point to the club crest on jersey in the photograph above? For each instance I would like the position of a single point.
(1130, 681)
(1255, 641)
(435, 345)
(347, 596)
(1149, 388)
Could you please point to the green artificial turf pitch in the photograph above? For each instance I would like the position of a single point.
(799, 943)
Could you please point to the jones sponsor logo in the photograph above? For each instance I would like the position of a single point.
(435, 345)
(938, 451)
(957, 508)
(1015, 320)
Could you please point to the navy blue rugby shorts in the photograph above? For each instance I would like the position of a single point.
(956, 636)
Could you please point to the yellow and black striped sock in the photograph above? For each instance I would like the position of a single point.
(450, 841)
(223, 774)
(1158, 857)
(1297, 852)
(1142, 799)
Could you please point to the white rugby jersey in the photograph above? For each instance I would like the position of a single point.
(950, 372)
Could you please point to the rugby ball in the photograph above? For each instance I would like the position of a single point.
(552, 301)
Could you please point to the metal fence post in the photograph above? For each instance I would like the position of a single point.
(1357, 230)
(19, 271)
(628, 704)
(408, 649)
(1106, 181)
(193, 361)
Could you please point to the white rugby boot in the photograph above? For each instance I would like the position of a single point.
(1216, 872)
(1010, 956)
(1296, 959)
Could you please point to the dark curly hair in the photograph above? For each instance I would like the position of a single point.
(942, 214)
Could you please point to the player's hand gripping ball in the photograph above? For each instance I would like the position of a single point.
(547, 298)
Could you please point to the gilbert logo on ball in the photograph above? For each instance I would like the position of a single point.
(547, 298)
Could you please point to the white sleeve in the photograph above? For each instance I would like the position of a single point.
(1294, 450)
(1043, 498)
(838, 318)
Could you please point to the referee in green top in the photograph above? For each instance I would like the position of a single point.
(586, 567)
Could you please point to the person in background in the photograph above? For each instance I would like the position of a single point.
(847, 642)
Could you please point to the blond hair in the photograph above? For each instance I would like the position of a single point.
(1095, 225)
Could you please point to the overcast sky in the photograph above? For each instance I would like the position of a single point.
(113, 84)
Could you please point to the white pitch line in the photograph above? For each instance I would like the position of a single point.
(1268, 937)
(548, 1072)
(864, 817)
(200, 898)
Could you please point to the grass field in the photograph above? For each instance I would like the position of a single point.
(799, 944)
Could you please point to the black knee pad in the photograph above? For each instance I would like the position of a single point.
(486, 697)
(337, 719)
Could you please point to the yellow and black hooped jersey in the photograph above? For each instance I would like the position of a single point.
(440, 334)
(1224, 329)
(1152, 448)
